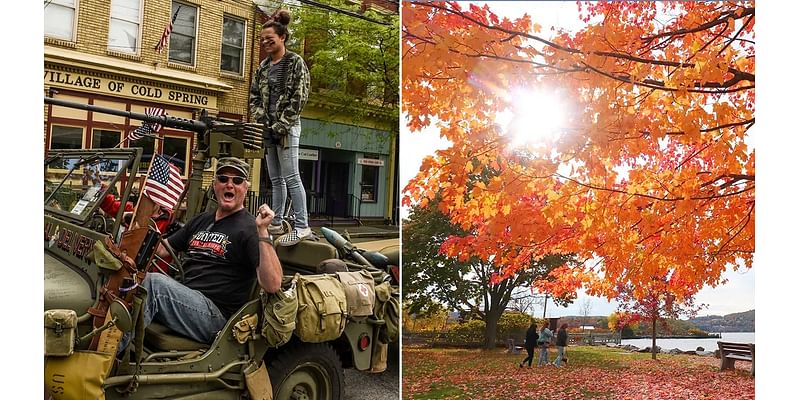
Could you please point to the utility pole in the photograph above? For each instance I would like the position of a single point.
(544, 312)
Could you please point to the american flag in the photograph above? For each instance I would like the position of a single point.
(163, 185)
(167, 30)
(147, 127)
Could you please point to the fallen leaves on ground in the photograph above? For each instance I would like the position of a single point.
(593, 373)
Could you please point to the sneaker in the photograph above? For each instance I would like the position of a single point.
(294, 237)
(275, 230)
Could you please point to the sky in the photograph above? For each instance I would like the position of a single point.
(737, 295)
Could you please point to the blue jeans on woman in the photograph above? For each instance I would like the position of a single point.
(284, 173)
(560, 356)
(543, 356)
(181, 309)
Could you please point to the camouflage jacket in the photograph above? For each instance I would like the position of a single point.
(289, 104)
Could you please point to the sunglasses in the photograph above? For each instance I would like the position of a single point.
(237, 180)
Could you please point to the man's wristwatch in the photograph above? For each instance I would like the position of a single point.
(267, 239)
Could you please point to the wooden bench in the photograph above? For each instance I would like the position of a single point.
(512, 348)
(730, 352)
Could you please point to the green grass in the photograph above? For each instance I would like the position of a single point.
(594, 372)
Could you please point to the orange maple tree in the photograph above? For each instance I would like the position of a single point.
(651, 175)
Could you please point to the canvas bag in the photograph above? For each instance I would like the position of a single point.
(280, 313)
(322, 308)
(359, 287)
(77, 377)
(59, 332)
(387, 308)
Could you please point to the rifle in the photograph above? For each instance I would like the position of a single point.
(136, 250)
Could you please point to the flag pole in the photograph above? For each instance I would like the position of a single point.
(145, 206)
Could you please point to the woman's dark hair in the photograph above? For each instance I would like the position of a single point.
(564, 326)
(279, 21)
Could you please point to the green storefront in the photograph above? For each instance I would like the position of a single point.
(347, 170)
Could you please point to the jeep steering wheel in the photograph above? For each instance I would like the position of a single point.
(175, 265)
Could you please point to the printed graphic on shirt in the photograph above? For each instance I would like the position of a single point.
(214, 244)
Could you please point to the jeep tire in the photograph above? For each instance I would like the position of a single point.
(306, 371)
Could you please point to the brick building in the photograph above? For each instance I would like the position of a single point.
(105, 53)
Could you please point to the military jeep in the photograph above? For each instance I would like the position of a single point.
(163, 364)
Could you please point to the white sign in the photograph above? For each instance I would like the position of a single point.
(308, 154)
(370, 161)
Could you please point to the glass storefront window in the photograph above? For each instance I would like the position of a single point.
(369, 183)
(66, 137)
(104, 139)
(176, 151)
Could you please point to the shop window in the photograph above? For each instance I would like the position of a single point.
(184, 30)
(147, 144)
(369, 183)
(59, 19)
(66, 137)
(123, 30)
(176, 150)
(105, 139)
(232, 45)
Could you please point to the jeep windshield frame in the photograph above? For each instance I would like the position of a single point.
(77, 180)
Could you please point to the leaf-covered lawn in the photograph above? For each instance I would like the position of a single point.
(593, 373)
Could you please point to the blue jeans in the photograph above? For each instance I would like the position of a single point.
(284, 173)
(543, 356)
(185, 311)
(560, 356)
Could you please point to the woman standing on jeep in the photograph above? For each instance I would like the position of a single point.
(278, 93)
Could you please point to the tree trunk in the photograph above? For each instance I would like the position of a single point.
(653, 349)
(490, 335)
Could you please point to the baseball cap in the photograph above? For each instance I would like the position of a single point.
(235, 163)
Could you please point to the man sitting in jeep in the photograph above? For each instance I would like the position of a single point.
(226, 250)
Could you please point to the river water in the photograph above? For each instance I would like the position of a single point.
(692, 344)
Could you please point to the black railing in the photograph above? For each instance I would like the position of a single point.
(317, 206)
(355, 208)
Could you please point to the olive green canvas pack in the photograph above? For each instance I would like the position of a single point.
(387, 308)
(59, 332)
(322, 308)
(359, 287)
(280, 313)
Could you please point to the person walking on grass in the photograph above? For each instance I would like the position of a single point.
(531, 337)
(561, 344)
(545, 336)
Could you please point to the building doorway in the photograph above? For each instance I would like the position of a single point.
(336, 180)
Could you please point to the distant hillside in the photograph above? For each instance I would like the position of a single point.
(736, 322)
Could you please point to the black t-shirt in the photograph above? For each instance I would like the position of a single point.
(561, 338)
(221, 257)
(531, 337)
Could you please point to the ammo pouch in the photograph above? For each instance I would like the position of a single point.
(387, 308)
(104, 257)
(257, 379)
(280, 312)
(359, 288)
(59, 332)
(380, 355)
(77, 377)
(322, 308)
